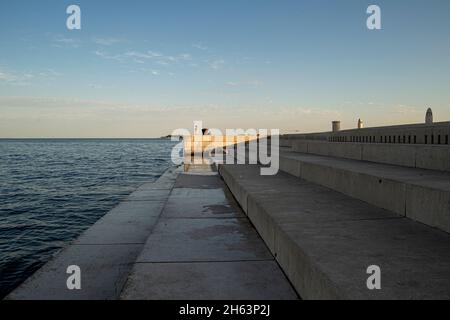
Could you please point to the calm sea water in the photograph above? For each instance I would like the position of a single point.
(52, 190)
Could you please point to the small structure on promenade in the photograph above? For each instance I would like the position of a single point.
(336, 126)
(360, 124)
(429, 116)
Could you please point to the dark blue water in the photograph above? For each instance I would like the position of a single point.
(52, 190)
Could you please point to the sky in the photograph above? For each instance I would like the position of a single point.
(145, 68)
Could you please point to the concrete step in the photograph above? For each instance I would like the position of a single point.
(325, 241)
(421, 195)
(433, 157)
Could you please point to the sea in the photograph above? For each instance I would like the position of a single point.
(51, 190)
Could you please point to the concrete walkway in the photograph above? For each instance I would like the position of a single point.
(106, 252)
(204, 247)
(182, 237)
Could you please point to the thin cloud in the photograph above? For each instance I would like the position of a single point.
(200, 46)
(143, 57)
(59, 41)
(216, 64)
(100, 86)
(252, 83)
(49, 73)
(296, 111)
(26, 78)
(403, 109)
(106, 41)
(107, 56)
(7, 77)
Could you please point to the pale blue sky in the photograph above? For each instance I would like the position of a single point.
(144, 68)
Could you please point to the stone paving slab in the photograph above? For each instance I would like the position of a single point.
(104, 270)
(129, 222)
(184, 240)
(145, 193)
(199, 203)
(198, 182)
(165, 182)
(201, 168)
(250, 280)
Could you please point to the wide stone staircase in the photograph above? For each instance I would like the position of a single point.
(337, 208)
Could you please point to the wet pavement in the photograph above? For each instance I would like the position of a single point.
(204, 247)
(181, 237)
